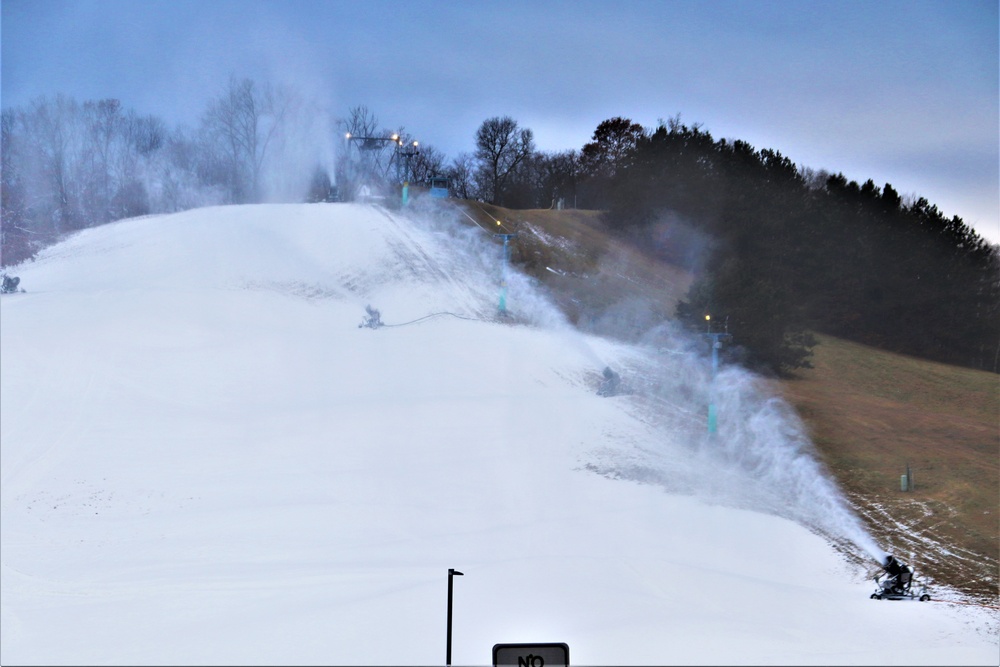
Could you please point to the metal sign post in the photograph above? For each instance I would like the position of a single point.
(451, 574)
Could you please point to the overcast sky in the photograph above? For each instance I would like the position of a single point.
(904, 92)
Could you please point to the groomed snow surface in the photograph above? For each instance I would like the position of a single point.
(206, 460)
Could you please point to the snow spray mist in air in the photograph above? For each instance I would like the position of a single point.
(762, 439)
(757, 457)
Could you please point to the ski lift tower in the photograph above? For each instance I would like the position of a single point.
(506, 256)
(407, 153)
(439, 187)
(368, 145)
(717, 338)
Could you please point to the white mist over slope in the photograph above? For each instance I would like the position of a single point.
(206, 460)
(759, 458)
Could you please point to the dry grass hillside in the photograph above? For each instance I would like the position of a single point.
(600, 282)
(870, 412)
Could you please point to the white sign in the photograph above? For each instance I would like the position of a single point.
(531, 655)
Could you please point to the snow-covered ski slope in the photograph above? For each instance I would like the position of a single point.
(205, 460)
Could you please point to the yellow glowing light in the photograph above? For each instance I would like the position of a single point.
(708, 317)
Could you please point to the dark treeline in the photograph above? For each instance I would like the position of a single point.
(781, 251)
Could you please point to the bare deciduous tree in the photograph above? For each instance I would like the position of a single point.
(461, 176)
(241, 125)
(428, 162)
(103, 120)
(52, 129)
(500, 147)
(558, 174)
(15, 236)
(614, 140)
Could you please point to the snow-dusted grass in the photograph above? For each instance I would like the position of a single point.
(205, 460)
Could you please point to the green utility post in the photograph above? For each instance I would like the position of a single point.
(407, 153)
(503, 276)
(906, 481)
(717, 339)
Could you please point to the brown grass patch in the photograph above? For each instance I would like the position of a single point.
(873, 412)
(589, 272)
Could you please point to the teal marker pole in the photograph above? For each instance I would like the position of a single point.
(717, 338)
(503, 276)
(713, 419)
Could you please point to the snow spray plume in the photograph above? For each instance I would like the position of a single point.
(759, 456)
(674, 239)
(303, 144)
(480, 262)
(761, 437)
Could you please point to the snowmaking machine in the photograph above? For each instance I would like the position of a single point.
(10, 284)
(897, 582)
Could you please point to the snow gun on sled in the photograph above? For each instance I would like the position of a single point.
(10, 284)
(897, 582)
